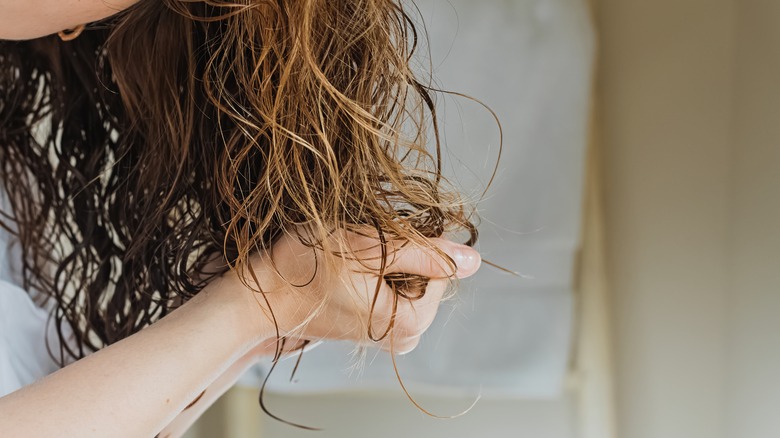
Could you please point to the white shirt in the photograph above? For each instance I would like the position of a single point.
(24, 357)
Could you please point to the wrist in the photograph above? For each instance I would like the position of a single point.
(248, 308)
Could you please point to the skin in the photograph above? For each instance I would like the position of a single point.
(27, 19)
(141, 385)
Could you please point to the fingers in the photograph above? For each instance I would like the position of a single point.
(412, 319)
(426, 262)
(346, 297)
(415, 317)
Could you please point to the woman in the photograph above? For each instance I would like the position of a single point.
(197, 183)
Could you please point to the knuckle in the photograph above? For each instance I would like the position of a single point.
(441, 266)
(414, 325)
(406, 345)
(407, 327)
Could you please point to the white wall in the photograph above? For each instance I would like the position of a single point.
(691, 108)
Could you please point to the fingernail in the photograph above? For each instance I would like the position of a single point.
(467, 260)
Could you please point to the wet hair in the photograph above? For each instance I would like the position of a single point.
(180, 131)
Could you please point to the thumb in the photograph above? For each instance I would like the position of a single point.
(466, 258)
(413, 259)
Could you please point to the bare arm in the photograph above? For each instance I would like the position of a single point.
(139, 385)
(187, 418)
(27, 19)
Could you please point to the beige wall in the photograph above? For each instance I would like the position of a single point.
(665, 87)
(691, 132)
(754, 302)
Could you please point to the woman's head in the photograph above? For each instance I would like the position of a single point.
(179, 130)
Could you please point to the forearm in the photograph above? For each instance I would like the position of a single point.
(185, 419)
(267, 348)
(27, 19)
(137, 386)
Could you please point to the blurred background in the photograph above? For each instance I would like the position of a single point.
(637, 195)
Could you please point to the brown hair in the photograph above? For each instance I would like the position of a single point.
(179, 130)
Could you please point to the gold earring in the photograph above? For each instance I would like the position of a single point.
(71, 34)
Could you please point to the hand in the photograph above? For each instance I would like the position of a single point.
(333, 300)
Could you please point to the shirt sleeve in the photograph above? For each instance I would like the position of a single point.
(24, 357)
(24, 327)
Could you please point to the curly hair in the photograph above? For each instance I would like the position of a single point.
(180, 131)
